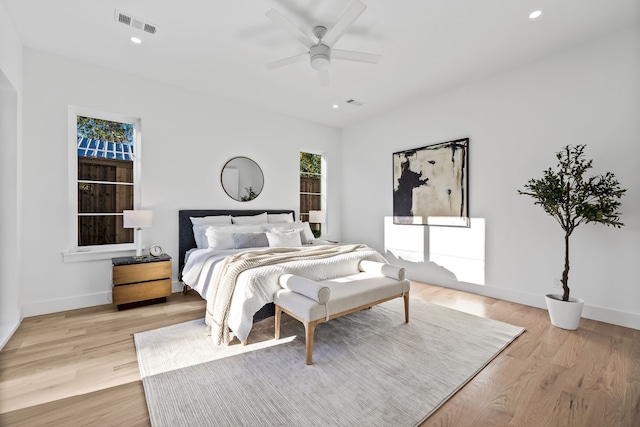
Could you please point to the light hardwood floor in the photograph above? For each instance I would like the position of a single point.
(79, 368)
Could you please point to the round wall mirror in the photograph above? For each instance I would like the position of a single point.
(242, 179)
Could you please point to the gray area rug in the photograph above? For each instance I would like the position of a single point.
(370, 369)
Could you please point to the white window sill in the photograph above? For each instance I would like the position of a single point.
(94, 254)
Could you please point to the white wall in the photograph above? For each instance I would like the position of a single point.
(186, 140)
(517, 121)
(11, 166)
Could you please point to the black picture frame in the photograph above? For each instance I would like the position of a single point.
(431, 185)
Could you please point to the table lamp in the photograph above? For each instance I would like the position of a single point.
(137, 219)
(317, 217)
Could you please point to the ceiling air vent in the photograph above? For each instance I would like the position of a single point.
(354, 102)
(131, 21)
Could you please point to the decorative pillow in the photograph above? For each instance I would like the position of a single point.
(252, 219)
(280, 218)
(200, 225)
(285, 228)
(392, 271)
(282, 226)
(306, 236)
(284, 240)
(221, 236)
(307, 287)
(250, 240)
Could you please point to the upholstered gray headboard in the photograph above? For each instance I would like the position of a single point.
(186, 240)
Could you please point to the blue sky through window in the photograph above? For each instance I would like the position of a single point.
(107, 150)
(104, 138)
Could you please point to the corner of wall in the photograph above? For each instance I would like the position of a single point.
(6, 332)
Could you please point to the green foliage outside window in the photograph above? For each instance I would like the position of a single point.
(104, 130)
(310, 165)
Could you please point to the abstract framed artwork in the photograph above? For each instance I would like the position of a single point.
(431, 185)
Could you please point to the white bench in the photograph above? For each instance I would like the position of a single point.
(313, 302)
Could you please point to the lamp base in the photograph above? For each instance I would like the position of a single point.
(139, 255)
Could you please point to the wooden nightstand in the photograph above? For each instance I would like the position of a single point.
(140, 281)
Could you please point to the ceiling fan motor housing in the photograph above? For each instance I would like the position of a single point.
(320, 56)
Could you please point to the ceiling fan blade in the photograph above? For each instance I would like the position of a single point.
(288, 26)
(348, 55)
(323, 77)
(353, 12)
(286, 61)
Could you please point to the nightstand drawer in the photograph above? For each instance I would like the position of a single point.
(124, 294)
(143, 272)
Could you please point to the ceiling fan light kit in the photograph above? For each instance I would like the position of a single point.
(320, 58)
(320, 51)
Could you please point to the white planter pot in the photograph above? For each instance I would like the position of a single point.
(564, 314)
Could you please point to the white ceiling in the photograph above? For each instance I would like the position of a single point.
(220, 47)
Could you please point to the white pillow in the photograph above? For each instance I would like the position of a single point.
(217, 219)
(200, 225)
(306, 236)
(252, 219)
(280, 218)
(199, 236)
(284, 240)
(282, 226)
(221, 236)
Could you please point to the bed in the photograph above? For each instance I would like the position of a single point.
(239, 281)
(187, 242)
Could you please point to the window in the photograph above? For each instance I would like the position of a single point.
(311, 184)
(105, 181)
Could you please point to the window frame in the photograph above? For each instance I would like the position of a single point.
(92, 252)
(323, 188)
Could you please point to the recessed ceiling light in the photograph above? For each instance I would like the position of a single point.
(535, 14)
(136, 40)
(335, 105)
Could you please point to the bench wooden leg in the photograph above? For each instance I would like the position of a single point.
(406, 307)
(278, 318)
(309, 329)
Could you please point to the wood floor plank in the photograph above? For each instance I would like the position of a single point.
(631, 405)
(573, 410)
(125, 406)
(80, 368)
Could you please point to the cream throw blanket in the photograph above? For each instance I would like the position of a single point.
(227, 271)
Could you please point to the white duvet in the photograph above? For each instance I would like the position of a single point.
(255, 287)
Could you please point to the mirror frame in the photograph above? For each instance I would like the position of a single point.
(252, 193)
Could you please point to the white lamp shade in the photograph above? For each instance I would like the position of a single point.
(137, 218)
(317, 217)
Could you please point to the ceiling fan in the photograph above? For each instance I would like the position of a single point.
(321, 52)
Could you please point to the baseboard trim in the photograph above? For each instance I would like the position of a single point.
(601, 314)
(39, 308)
(616, 317)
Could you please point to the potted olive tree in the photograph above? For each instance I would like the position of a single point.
(572, 199)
